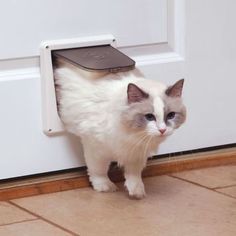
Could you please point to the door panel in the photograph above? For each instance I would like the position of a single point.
(30, 22)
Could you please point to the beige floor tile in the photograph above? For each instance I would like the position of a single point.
(171, 208)
(231, 191)
(31, 228)
(10, 214)
(211, 177)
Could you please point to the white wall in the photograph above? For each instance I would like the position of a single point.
(198, 43)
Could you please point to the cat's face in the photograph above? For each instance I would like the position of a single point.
(155, 116)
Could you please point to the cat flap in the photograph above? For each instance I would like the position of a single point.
(103, 58)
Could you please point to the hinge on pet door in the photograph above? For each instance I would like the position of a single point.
(94, 54)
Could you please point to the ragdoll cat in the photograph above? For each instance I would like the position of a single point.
(120, 117)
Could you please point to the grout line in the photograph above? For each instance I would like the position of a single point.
(18, 222)
(189, 181)
(227, 186)
(225, 194)
(199, 185)
(42, 218)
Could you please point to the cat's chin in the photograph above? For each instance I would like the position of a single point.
(160, 136)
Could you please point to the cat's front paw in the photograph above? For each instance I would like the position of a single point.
(103, 185)
(136, 189)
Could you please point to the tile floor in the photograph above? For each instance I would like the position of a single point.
(191, 203)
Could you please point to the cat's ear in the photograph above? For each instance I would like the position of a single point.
(176, 89)
(135, 94)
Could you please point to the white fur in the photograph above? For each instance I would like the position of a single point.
(90, 107)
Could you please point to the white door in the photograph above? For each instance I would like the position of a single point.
(169, 39)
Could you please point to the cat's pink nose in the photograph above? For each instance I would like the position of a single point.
(162, 131)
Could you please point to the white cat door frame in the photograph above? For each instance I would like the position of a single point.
(50, 118)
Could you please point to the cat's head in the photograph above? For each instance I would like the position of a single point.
(157, 114)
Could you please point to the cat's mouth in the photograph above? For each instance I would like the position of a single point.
(160, 134)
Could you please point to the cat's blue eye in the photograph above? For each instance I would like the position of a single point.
(150, 117)
(170, 115)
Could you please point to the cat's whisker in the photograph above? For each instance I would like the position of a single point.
(135, 146)
(139, 141)
(147, 147)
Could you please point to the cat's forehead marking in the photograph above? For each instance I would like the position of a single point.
(172, 103)
(158, 105)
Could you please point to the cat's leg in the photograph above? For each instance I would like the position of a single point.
(98, 166)
(133, 179)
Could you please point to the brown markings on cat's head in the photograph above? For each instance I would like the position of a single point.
(173, 103)
(156, 115)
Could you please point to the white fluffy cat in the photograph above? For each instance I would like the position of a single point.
(120, 117)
